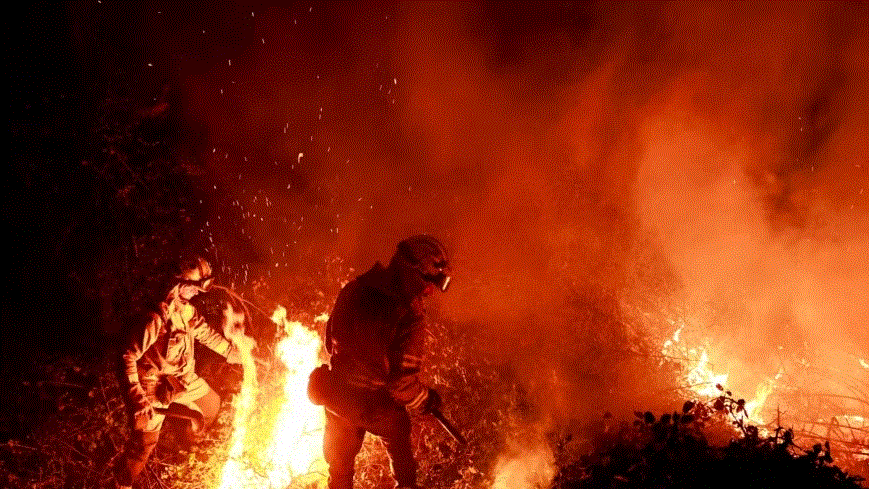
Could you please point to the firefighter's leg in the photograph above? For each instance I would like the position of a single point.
(199, 396)
(209, 405)
(341, 443)
(392, 424)
(137, 450)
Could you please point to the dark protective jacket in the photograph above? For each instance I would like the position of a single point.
(376, 338)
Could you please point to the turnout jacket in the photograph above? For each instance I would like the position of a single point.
(163, 345)
(376, 338)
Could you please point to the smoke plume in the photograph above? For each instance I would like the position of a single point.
(711, 155)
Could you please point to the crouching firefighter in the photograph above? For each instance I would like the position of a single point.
(159, 367)
(375, 338)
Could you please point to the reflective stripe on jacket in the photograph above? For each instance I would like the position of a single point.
(376, 338)
(163, 345)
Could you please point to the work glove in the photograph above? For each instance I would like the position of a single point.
(169, 388)
(432, 403)
(233, 356)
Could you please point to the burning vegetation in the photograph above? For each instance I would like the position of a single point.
(270, 435)
(657, 214)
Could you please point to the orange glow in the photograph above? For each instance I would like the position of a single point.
(277, 442)
(524, 468)
(705, 381)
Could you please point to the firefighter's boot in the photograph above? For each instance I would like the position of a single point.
(136, 453)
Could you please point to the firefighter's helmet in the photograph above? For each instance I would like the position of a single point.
(196, 271)
(428, 256)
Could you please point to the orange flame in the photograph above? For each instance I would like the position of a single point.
(278, 442)
(703, 381)
(524, 468)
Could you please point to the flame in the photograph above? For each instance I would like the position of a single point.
(705, 382)
(524, 468)
(702, 380)
(278, 442)
(845, 429)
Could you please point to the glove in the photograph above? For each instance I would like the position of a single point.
(233, 356)
(432, 403)
(169, 388)
(144, 413)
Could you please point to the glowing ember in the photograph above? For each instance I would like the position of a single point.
(278, 442)
(524, 468)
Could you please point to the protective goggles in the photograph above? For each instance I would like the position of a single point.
(202, 284)
(441, 279)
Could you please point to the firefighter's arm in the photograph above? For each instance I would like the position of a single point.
(406, 363)
(206, 335)
(134, 350)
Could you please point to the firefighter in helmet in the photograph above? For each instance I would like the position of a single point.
(159, 366)
(375, 338)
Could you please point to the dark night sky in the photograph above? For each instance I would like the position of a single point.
(66, 60)
(50, 120)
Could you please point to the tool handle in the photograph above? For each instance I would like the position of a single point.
(452, 430)
(194, 416)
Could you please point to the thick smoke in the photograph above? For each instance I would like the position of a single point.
(752, 176)
(571, 155)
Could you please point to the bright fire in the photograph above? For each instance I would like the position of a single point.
(524, 468)
(277, 436)
(839, 425)
(277, 442)
(705, 382)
